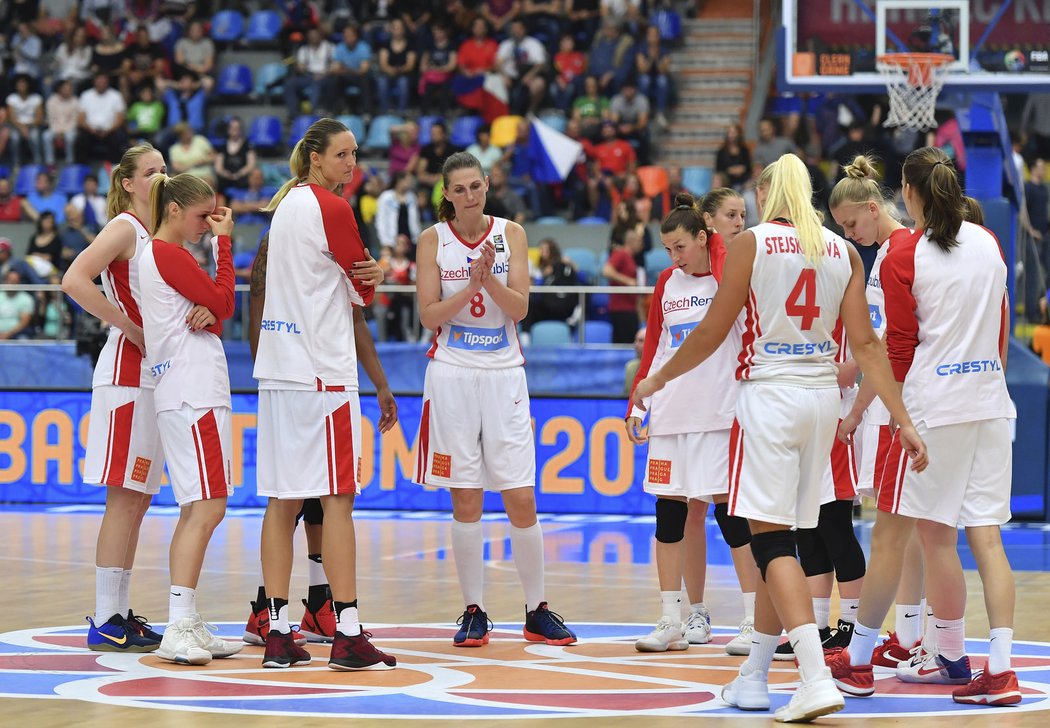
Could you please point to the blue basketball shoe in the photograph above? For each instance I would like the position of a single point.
(474, 628)
(543, 625)
(116, 635)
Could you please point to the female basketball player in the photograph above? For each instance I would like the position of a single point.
(192, 391)
(476, 431)
(308, 404)
(688, 432)
(123, 447)
(946, 333)
(796, 281)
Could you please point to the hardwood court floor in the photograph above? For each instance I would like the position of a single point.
(599, 570)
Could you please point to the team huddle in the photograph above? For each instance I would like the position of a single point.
(747, 390)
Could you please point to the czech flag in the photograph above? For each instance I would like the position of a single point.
(486, 94)
(553, 154)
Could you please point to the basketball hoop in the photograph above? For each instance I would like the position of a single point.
(913, 80)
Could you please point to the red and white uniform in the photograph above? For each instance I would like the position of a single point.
(192, 393)
(840, 477)
(873, 436)
(690, 418)
(944, 335)
(789, 402)
(476, 428)
(123, 446)
(307, 358)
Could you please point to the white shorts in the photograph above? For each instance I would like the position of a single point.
(123, 444)
(690, 465)
(197, 447)
(840, 476)
(476, 429)
(778, 451)
(967, 482)
(309, 443)
(873, 445)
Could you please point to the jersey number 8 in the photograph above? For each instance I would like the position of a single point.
(477, 306)
(802, 301)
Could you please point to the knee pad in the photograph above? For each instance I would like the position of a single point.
(812, 553)
(734, 529)
(836, 531)
(670, 520)
(772, 545)
(312, 511)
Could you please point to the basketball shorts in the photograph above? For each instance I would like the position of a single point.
(690, 465)
(309, 443)
(873, 445)
(123, 443)
(197, 447)
(476, 429)
(840, 477)
(967, 482)
(778, 451)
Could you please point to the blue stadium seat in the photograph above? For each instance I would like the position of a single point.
(4, 171)
(25, 182)
(670, 24)
(554, 121)
(597, 332)
(299, 126)
(269, 80)
(234, 80)
(586, 261)
(227, 26)
(355, 124)
(592, 220)
(464, 131)
(71, 179)
(263, 26)
(276, 173)
(656, 260)
(265, 132)
(697, 180)
(379, 132)
(217, 130)
(551, 333)
(425, 122)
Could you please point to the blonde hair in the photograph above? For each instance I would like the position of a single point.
(182, 189)
(765, 176)
(861, 184)
(118, 199)
(791, 193)
(316, 139)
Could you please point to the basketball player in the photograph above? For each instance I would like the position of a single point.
(796, 281)
(192, 394)
(475, 433)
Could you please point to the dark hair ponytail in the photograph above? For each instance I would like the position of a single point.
(931, 174)
(685, 214)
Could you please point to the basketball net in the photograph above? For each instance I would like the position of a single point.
(913, 81)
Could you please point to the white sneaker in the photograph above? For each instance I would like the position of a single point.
(741, 644)
(748, 692)
(698, 626)
(182, 645)
(811, 700)
(666, 636)
(208, 640)
(930, 667)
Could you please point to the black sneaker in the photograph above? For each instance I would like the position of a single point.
(357, 653)
(474, 627)
(543, 625)
(142, 626)
(841, 637)
(281, 651)
(784, 651)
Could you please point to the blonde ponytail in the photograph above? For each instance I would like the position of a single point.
(860, 185)
(182, 189)
(791, 194)
(118, 199)
(316, 139)
(157, 186)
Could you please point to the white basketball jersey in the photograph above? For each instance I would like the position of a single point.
(877, 414)
(792, 309)
(121, 363)
(480, 335)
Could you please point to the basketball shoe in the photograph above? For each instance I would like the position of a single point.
(357, 653)
(748, 692)
(784, 650)
(985, 689)
(318, 626)
(741, 644)
(857, 681)
(258, 627)
(182, 643)
(666, 636)
(892, 653)
(930, 667)
(812, 699)
(281, 651)
(142, 626)
(474, 628)
(543, 625)
(698, 626)
(840, 637)
(116, 635)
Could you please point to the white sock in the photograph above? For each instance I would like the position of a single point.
(182, 603)
(749, 606)
(347, 622)
(317, 577)
(107, 592)
(862, 644)
(849, 609)
(527, 544)
(122, 597)
(468, 547)
(671, 606)
(762, 648)
(951, 637)
(929, 635)
(279, 621)
(805, 641)
(821, 611)
(697, 608)
(1002, 639)
(908, 624)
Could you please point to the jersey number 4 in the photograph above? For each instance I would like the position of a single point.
(802, 301)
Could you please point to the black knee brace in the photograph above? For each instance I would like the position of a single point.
(772, 545)
(813, 553)
(734, 529)
(836, 531)
(312, 512)
(670, 520)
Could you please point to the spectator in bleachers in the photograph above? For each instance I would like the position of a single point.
(27, 51)
(248, 201)
(502, 200)
(108, 54)
(312, 61)
(91, 204)
(554, 270)
(16, 309)
(622, 270)
(397, 68)
(585, 15)
(25, 114)
(625, 220)
(523, 62)
(10, 203)
(1035, 123)
(499, 13)
(44, 252)
(195, 53)
(653, 65)
(8, 263)
(146, 115)
(433, 155)
(544, 18)
(300, 16)
(569, 67)
(144, 64)
(615, 156)
(57, 18)
(351, 70)
(44, 199)
(417, 16)
(484, 150)
(590, 109)
(53, 313)
(948, 136)
(74, 236)
(400, 270)
(435, 72)
(734, 158)
(630, 369)
(100, 136)
(5, 130)
(856, 143)
(186, 103)
(610, 59)
(622, 10)
(192, 153)
(771, 145)
(629, 110)
(397, 211)
(404, 147)
(99, 14)
(235, 159)
(634, 195)
(73, 58)
(519, 168)
(475, 58)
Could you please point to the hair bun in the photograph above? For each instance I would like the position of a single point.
(684, 199)
(860, 168)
